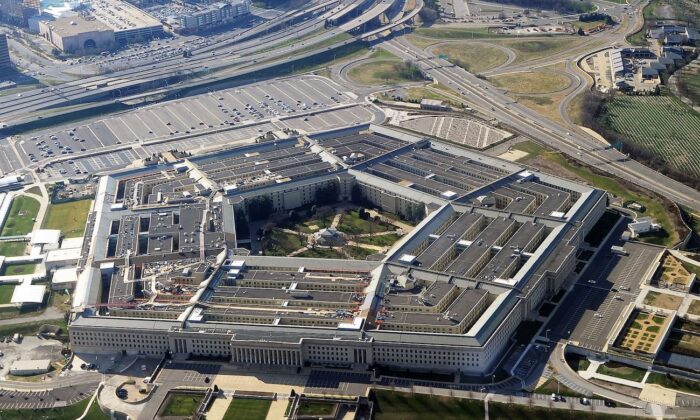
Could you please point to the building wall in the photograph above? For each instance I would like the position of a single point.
(104, 40)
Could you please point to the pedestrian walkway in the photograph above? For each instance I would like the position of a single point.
(277, 409)
(658, 395)
(218, 407)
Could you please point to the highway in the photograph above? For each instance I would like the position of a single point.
(247, 57)
(221, 54)
(581, 147)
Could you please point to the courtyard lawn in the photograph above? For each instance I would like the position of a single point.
(18, 269)
(358, 253)
(663, 300)
(281, 243)
(13, 249)
(181, 405)
(69, 218)
(6, 291)
(619, 370)
(379, 240)
(20, 220)
(321, 253)
(351, 224)
(307, 408)
(247, 409)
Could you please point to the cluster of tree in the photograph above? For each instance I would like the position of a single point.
(562, 6)
(260, 207)
(429, 14)
(327, 194)
(594, 116)
(592, 17)
(415, 212)
(356, 196)
(241, 220)
(407, 70)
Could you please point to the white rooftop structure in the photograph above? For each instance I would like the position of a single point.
(72, 243)
(28, 293)
(46, 237)
(64, 278)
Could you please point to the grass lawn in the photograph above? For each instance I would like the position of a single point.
(379, 72)
(30, 328)
(502, 411)
(96, 413)
(13, 249)
(321, 253)
(380, 240)
(69, 218)
(6, 291)
(587, 26)
(619, 370)
(577, 362)
(18, 269)
(312, 225)
(419, 93)
(181, 405)
(472, 57)
(70, 412)
(403, 406)
(281, 243)
(655, 209)
(532, 82)
(20, 219)
(34, 190)
(307, 408)
(350, 223)
(247, 409)
(552, 386)
(533, 49)
(458, 33)
(674, 382)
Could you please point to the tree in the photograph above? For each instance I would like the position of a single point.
(356, 196)
(260, 207)
(581, 32)
(327, 194)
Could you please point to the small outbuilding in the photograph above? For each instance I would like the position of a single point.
(28, 294)
(30, 367)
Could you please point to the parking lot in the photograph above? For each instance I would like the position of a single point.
(609, 283)
(307, 103)
(59, 397)
(188, 373)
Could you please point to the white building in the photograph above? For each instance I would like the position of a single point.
(47, 239)
(643, 225)
(64, 278)
(30, 367)
(28, 294)
(470, 295)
